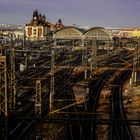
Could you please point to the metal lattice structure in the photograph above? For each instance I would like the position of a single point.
(12, 79)
(97, 32)
(92, 39)
(52, 89)
(68, 33)
(135, 63)
(88, 41)
(38, 98)
(3, 87)
(93, 55)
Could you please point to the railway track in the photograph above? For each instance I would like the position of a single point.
(84, 132)
(87, 132)
(63, 85)
(120, 129)
(22, 126)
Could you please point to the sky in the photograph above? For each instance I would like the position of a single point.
(105, 13)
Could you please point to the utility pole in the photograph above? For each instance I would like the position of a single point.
(38, 124)
(38, 98)
(135, 63)
(93, 64)
(85, 58)
(26, 59)
(3, 86)
(24, 38)
(134, 69)
(52, 84)
(83, 47)
(12, 79)
(3, 98)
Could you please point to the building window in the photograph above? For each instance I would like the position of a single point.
(34, 31)
(29, 31)
(39, 31)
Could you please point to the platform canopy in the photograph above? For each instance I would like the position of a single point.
(98, 33)
(69, 33)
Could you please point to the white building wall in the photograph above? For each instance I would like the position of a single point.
(35, 36)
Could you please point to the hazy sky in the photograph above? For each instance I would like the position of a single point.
(106, 13)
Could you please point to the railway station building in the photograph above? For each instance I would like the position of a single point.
(72, 36)
(38, 27)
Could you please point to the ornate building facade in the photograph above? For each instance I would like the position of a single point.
(38, 27)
